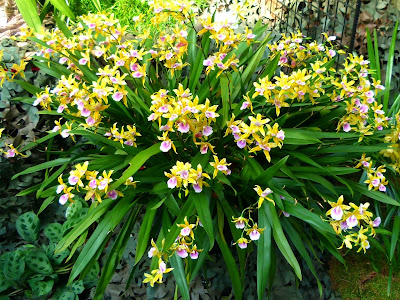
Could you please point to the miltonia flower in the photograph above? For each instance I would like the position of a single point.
(240, 223)
(338, 209)
(242, 243)
(254, 232)
(182, 251)
(364, 162)
(66, 196)
(157, 274)
(194, 252)
(166, 144)
(105, 180)
(263, 195)
(220, 165)
(154, 251)
(187, 229)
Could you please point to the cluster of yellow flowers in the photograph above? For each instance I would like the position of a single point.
(125, 137)
(293, 53)
(8, 74)
(98, 40)
(301, 85)
(171, 48)
(259, 132)
(247, 224)
(183, 247)
(184, 114)
(376, 180)
(393, 153)
(182, 174)
(225, 39)
(95, 185)
(363, 114)
(346, 217)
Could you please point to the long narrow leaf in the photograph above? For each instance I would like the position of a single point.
(144, 233)
(28, 10)
(115, 254)
(231, 266)
(92, 217)
(395, 236)
(280, 238)
(62, 6)
(179, 275)
(96, 240)
(263, 254)
(203, 209)
(389, 68)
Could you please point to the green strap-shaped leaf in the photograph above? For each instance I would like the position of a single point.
(230, 211)
(136, 163)
(263, 254)
(28, 10)
(92, 217)
(203, 209)
(96, 240)
(280, 238)
(299, 244)
(377, 195)
(46, 203)
(231, 266)
(186, 211)
(318, 179)
(28, 226)
(115, 254)
(62, 6)
(395, 236)
(226, 97)
(42, 166)
(267, 175)
(389, 68)
(197, 68)
(144, 232)
(179, 276)
(311, 218)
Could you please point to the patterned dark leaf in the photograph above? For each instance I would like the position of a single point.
(65, 296)
(4, 282)
(28, 226)
(54, 232)
(39, 262)
(14, 265)
(41, 288)
(77, 287)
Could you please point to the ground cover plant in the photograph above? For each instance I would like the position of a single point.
(220, 136)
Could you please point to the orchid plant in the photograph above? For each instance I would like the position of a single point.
(212, 130)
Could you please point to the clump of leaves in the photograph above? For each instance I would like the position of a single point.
(34, 269)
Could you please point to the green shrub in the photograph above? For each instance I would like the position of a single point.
(220, 136)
